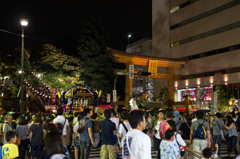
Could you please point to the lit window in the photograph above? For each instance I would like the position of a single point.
(175, 44)
(174, 9)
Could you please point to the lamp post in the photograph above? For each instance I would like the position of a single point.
(24, 23)
(129, 36)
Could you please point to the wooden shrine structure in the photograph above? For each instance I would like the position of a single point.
(153, 64)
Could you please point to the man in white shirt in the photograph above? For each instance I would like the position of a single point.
(66, 130)
(136, 144)
(125, 126)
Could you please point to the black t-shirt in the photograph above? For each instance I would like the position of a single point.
(14, 124)
(107, 127)
(37, 136)
(185, 131)
(238, 124)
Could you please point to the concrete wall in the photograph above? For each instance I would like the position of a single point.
(174, 3)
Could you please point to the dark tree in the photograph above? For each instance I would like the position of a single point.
(92, 49)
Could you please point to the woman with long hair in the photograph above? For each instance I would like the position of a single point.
(54, 147)
(232, 132)
(22, 131)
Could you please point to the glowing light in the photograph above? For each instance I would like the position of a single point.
(24, 22)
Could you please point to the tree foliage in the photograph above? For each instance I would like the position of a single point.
(222, 98)
(92, 49)
(163, 95)
(56, 67)
(10, 59)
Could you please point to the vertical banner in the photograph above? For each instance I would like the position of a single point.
(131, 71)
(108, 98)
(53, 93)
(114, 95)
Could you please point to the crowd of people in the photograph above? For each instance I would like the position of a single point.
(169, 133)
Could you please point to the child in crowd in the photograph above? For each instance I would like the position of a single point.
(10, 150)
(207, 153)
(169, 149)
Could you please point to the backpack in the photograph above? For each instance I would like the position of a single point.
(81, 127)
(200, 131)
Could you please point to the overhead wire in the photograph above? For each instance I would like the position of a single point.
(36, 38)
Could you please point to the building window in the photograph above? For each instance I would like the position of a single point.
(175, 44)
(174, 9)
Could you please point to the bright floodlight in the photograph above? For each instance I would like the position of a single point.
(24, 22)
(129, 36)
(20, 71)
(39, 75)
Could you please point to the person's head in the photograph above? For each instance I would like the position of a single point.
(55, 128)
(169, 135)
(160, 115)
(177, 113)
(42, 118)
(107, 113)
(53, 144)
(199, 115)
(189, 118)
(218, 115)
(207, 153)
(137, 119)
(233, 115)
(60, 111)
(169, 113)
(125, 115)
(22, 121)
(75, 114)
(8, 118)
(113, 112)
(87, 112)
(229, 120)
(47, 118)
(29, 119)
(11, 137)
(14, 116)
(171, 124)
(149, 115)
(37, 119)
(94, 116)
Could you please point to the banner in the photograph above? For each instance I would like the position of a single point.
(53, 93)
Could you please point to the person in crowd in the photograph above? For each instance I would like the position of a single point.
(238, 131)
(207, 153)
(1, 129)
(66, 129)
(216, 123)
(108, 130)
(156, 136)
(177, 119)
(9, 149)
(86, 139)
(185, 130)
(125, 126)
(22, 132)
(36, 137)
(46, 122)
(75, 119)
(135, 143)
(232, 132)
(198, 128)
(42, 119)
(178, 138)
(115, 120)
(13, 122)
(76, 139)
(96, 130)
(162, 127)
(194, 117)
(6, 127)
(169, 149)
(54, 146)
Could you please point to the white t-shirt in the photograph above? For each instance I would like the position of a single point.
(75, 128)
(116, 121)
(139, 144)
(61, 119)
(194, 119)
(157, 134)
(179, 140)
(122, 130)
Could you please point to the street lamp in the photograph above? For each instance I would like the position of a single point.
(129, 36)
(39, 76)
(24, 23)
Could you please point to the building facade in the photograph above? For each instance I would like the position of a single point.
(207, 33)
(141, 85)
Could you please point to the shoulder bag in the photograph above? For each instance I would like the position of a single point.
(125, 127)
(18, 142)
(81, 127)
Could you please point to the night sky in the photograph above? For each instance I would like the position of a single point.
(54, 20)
